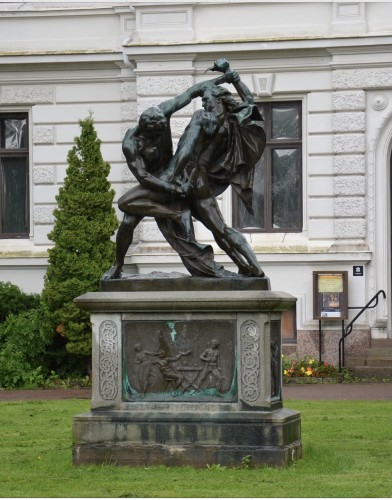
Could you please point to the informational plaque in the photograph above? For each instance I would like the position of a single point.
(330, 295)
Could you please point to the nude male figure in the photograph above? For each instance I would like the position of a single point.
(148, 149)
(162, 193)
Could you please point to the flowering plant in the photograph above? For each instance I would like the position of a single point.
(307, 367)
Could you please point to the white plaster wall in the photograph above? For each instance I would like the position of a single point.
(242, 20)
(306, 51)
(50, 27)
(379, 16)
(59, 65)
(27, 275)
(72, 102)
(261, 19)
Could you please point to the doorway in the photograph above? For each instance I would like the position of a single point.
(379, 200)
(389, 248)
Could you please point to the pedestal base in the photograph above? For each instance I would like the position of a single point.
(187, 375)
(194, 438)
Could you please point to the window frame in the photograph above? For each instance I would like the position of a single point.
(271, 145)
(289, 323)
(17, 153)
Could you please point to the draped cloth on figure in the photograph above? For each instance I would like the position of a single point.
(196, 257)
(236, 165)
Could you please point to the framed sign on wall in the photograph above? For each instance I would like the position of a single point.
(330, 295)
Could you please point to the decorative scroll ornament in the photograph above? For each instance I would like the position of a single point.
(108, 360)
(380, 102)
(250, 360)
(264, 84)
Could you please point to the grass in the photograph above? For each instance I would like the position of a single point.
(346, 448)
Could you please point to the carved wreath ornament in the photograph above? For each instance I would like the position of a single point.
(108, 360)
(250, 360)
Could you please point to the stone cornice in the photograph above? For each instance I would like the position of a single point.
(55, 10)
(329, 43)
(184, 301)
(58, 56)
(58, 61)
(279, 54)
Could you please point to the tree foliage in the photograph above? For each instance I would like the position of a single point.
(22, 343)
(85, 220)
(23, 355)
(14, 301)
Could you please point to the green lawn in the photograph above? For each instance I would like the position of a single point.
(346, 453)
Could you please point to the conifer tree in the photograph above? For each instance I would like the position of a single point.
(85, 220)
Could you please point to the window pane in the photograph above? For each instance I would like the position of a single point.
(285, 123)
(245, 220)
(286, 189)
(14, 195)
(14, 133)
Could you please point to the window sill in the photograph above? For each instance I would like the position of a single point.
(15, 248)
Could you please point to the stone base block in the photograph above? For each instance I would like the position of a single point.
(190, 439)
(187, 373)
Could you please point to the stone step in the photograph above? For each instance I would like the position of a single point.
(376, 363)
(381, 342)
(373, 372)
(355, 361)
(379, 352)
(369, 360)
(373, 361)
(364, 361)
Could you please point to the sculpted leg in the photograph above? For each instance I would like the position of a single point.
(239, 243)
(146, 203)
(231, 241)
(123, 241)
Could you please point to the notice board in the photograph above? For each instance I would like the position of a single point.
(330, 295)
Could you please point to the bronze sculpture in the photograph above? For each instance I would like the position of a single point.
(219, 147)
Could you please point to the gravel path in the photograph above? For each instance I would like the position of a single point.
(44, 394)
(368, 391)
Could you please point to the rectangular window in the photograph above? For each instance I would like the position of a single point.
(289, 325)
(14, 175)
(277, 186)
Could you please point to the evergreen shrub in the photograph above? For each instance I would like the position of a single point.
(23, 345)
(85, 221)
(13, 300)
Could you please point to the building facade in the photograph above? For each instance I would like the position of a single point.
(321, 73)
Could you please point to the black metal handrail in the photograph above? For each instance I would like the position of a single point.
(349, 327)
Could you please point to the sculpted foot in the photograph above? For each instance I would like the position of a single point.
(252, 271)
(245, 270)
(257, 272)
(116, 273)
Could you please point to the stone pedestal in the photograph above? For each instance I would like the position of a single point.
(186, 374)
